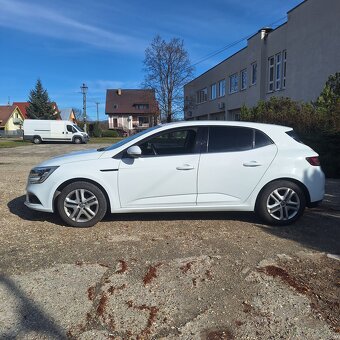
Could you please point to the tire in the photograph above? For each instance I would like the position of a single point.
(281, 203)
(36, 140)
(77, 140)
(81, 204)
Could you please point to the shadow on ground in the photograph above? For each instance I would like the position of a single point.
(31, 318)
(318, 229)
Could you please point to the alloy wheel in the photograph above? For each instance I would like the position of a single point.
(81, 205)
(283, 204)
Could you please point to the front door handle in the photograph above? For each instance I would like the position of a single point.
(252, 164)
(185, 167)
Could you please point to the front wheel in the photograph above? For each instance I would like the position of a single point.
(81, 204)
(77, 140)
(281, 203)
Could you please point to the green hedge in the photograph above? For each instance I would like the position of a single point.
(110, 133)
(327, 145)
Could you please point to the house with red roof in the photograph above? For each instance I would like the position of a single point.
(131, 110)
(24, 105)
(11, 120)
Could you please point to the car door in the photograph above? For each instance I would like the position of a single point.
(166, 172)
(236, 158)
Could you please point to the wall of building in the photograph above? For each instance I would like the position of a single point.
(311, 41)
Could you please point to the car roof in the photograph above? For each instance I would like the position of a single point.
(261, 126)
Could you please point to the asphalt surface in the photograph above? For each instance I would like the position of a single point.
(169, 275)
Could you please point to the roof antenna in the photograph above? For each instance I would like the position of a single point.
(9, 99)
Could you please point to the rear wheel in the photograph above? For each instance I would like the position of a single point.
(81, 204)
(36, 140)
(281, 203)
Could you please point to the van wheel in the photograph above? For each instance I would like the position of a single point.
(77, 140)
(36, 140)
(281, 203)
(81, 204)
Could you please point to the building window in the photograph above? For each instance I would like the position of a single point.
(244, 79)
(202, 96)
(213, 93)
(141, 106)
(142, 121)
(278, 71)
(284, 69)
(253, 73)
(233, 83)
(221, 88)
(271, 74)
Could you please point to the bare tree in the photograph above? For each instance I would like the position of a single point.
(167, 68)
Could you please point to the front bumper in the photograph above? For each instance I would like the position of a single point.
(38, 197)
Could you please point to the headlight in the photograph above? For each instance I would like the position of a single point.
(40, 174)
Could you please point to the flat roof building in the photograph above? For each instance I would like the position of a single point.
(293, 60)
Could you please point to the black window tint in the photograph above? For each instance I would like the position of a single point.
(175, 142)
(294, 135)
(69, 128)
(230, 138)
(261, 139)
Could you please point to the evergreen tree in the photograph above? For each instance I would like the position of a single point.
(40, 106)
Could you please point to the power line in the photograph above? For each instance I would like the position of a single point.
(214, 53)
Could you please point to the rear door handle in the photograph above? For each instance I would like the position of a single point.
(252, 164)
(185, 167)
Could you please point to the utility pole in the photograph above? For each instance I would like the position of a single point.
(84, 89)
(97, 103)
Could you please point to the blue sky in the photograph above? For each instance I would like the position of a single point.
(102, 42)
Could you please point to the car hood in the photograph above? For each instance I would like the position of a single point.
(77, 156)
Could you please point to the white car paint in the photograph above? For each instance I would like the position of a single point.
(202, 181)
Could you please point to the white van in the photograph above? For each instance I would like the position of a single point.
(37, 131)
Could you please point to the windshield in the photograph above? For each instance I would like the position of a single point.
(78, 128)
(129, 139)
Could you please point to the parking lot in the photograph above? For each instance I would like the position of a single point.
(166, 275)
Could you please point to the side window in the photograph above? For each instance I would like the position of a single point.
(261, 139)
(175, 142)
(230, 138)
(69, 128)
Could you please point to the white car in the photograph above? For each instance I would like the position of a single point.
(184, 166)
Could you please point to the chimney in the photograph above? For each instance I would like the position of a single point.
(265, 31)
(119, 92)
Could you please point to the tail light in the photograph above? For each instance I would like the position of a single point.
(313, 160)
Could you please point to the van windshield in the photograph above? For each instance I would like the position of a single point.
(78, 128)
(129, 139)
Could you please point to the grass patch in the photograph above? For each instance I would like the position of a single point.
(12, 143)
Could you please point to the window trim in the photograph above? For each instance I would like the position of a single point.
(284, 69)
(278, 71)
(230, 87)
(204, 90)
(245, 85)
(253, 79)
(214, 85)
(271, 67)
(219, 88)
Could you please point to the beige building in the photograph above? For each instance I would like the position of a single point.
(294, 60)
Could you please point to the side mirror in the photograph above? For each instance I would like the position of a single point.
(134, 151)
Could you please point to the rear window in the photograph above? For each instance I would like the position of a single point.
(294, 135)
(261, 139)
(227, 138)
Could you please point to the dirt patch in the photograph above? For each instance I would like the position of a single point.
(316, 277)
(151, 274)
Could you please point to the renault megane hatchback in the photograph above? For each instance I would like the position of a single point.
(184, 166)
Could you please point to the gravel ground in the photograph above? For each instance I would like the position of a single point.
(163, 276)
